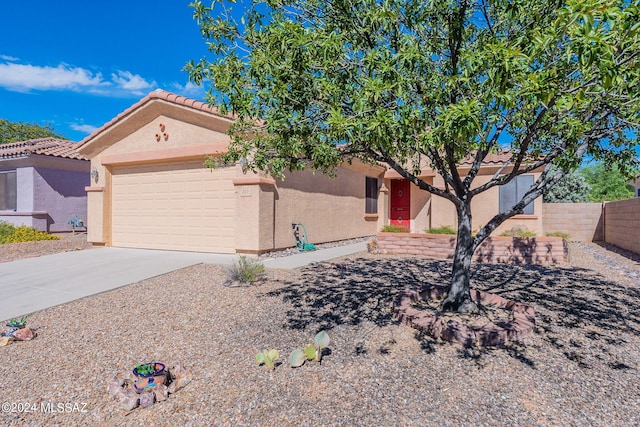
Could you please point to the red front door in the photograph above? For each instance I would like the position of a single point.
(400, 202)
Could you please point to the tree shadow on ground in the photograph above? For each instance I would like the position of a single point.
(596, 311)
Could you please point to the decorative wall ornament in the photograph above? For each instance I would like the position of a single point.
(162, 135)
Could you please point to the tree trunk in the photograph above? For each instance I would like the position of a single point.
(459, 296)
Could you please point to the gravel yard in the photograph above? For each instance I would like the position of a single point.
(581, 366)
(68, 242)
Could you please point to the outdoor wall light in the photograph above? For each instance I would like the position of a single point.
(244, 163)
(95, 175)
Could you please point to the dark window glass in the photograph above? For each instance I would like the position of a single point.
(371, 195)
(8, 191)
(511, 193)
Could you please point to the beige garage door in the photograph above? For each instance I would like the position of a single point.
(178, 206)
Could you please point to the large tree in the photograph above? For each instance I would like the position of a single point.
(22, 131)
(318, 82)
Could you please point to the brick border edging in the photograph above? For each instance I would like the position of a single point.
(522, 324)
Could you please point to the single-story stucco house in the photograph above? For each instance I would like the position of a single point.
(152, 190)
(42, 184)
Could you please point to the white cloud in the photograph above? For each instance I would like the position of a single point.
(189, 89)
(26, 77)
(9, 58)
(88, 129)
(22, 78)
(132, 82)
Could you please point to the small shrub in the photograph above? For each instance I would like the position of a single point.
(18, 322)
(445, 229)
(518, 233)
(246, 271)
(565, 236)
(394, 229)
(12, 234)
(6, 230)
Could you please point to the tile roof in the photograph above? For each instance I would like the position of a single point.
(497, 158)
(161, 95)
(42, 146)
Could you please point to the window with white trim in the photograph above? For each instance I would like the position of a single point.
(512, 192)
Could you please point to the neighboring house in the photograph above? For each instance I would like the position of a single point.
(419, 210)
(42, 184)
(636, 186)
(152, 190)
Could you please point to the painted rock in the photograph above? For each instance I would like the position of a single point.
(24, 334)
(5, 341)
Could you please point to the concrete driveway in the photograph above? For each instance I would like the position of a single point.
(33, 284)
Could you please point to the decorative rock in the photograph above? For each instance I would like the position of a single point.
(122, 387)
(180, 377)
(24, 334)
(5, 341)
(162, 392)
(127, 399)
(522, 322)
(114, 386)
(147, 398)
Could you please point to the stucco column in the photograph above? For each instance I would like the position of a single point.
(255, 214)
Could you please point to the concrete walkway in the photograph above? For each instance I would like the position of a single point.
(33, 284)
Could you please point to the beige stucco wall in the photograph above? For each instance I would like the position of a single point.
(421, 205)
(255, 200)
(330, 208)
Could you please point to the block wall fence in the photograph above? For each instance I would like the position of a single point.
(622, 224)
(583, 222)
(617, 223)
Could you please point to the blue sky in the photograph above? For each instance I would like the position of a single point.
(76, 64)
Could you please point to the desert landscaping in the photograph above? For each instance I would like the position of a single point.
(579, 367)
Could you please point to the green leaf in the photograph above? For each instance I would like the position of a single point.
(310, 351)
(322, 340)
(297, 358)
(273, 355)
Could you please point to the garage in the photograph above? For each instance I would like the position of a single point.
(175, 206)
